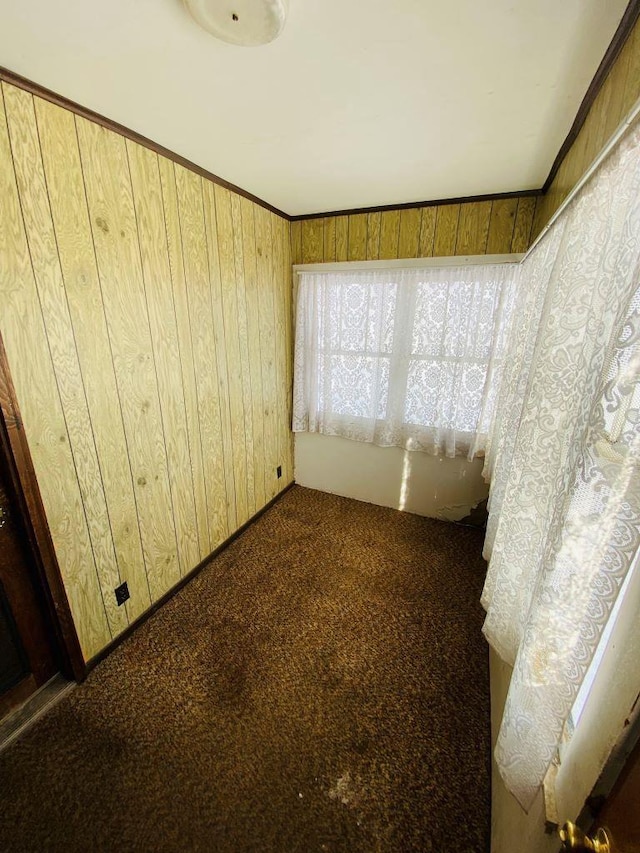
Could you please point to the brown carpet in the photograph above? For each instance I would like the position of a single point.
(321, 686)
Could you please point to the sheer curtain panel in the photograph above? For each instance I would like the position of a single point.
(563, 455)
(400, 356)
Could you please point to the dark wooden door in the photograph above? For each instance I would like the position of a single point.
(620, 814)
(27, 658)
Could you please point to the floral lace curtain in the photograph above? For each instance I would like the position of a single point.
(563, 456)
(400, 356)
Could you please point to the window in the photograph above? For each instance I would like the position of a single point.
(400, 356)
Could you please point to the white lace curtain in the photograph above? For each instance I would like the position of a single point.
(563, 456)
(400, 356)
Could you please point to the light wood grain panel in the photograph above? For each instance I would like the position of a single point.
(283, 427)
(446, 235)
(342, 238)
(435, 230)
(296, 241)
(389, 234)
(187, 363)
(287, 304)
(232, 339)
(523, 225)
(34, 378)
(109, 195)
(61, 157)
(357, 250)
(278, 339)
(627, 72)
(147, 194)
(473, 228)
(409, 238)
(574, 167)
(196, 265)
(545, 205)
(427, 232)
(220, 349)
(253, 334)
(501, 224)
(596, 123)
(618, 83)
(312, 241)
(373, 235)
(146, 353)
(264, 247)
(243, 333)
(50, 286)
(329, 241)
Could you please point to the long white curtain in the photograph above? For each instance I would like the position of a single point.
(400, 356)
(563, 456)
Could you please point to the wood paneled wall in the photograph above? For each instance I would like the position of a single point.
(471, 228)
(618, 94)
(146, 314)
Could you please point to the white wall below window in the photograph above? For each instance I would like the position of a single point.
(433, 486)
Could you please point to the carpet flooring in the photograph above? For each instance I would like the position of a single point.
(322, 685)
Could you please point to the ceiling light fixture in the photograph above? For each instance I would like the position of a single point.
(244, 22)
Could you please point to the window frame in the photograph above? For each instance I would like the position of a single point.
(400, 264)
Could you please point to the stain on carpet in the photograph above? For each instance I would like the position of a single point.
(322, 685)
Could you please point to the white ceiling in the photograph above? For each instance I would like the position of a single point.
(358, 103)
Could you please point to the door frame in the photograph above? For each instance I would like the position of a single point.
(13, 442)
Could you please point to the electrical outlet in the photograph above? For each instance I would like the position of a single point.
(122, 593)
(279, 471)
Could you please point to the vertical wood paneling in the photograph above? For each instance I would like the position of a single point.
(245, 370)
(617, 85)
(147, 320)
(253, 334)
(627, 75)
(389, 234)
(286, 301)
(446, 235)
(501, 224)
(147, 194)
(342, 238)
(61, 159)
(32, 370)
(264, 245)
(48, 276)
(232, 343)
(221, 352)
(312, 241)
(277, 236)
(473, 228)
(329, 242)
(357, 250)
(469, 228)
(523, 224)
(196, 265)
(199, 520)
(427, 232)
(373, 235)
(296, 241)
(107, 181)
(409, 238)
